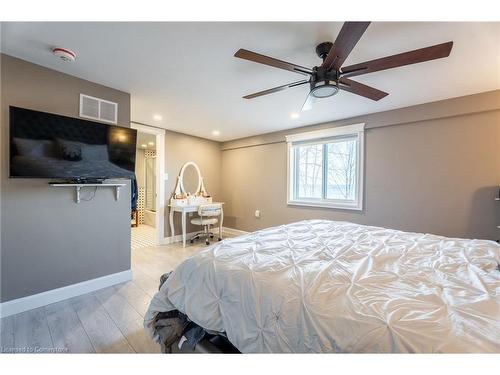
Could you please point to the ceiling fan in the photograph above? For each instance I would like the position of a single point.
(330, 77)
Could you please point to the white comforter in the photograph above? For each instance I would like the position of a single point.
(329, 286)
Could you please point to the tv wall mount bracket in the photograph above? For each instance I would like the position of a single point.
(78, 188)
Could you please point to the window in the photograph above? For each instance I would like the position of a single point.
(325, 168)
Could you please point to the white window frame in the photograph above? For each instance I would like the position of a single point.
(320, 136)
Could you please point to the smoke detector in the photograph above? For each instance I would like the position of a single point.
(64, 54)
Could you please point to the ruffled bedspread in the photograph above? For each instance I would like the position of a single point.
(329, 286)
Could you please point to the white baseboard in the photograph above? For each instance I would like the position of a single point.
(233, 232)
(178, 238)
(55, 295)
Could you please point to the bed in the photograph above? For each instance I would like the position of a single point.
(329, 286)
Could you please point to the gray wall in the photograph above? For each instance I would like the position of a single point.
(48, 241)
(181, 148)
(431, 168)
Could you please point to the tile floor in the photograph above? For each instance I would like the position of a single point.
(143, 236)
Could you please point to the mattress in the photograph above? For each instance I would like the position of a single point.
(328, 286)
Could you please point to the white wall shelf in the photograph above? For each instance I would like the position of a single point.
(78, 187)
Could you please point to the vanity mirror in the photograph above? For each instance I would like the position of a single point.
(190, 178)
(190, 188)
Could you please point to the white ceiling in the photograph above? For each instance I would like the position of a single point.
(186, 72)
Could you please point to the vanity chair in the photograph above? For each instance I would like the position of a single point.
(208, 215)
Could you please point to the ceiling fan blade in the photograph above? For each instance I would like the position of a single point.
(266, 60)
(406, 58)
(308, 104)
(275, 89)
(349, 35)
(361, 89)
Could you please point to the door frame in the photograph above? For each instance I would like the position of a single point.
(161, 177)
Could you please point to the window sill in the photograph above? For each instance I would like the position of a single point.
(323, 204)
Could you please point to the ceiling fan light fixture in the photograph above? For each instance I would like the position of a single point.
(331, 76)
(324, 89)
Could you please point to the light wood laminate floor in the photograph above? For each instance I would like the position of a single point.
(106, 321)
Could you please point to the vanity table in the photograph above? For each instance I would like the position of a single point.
(189, 194)
(184, 210)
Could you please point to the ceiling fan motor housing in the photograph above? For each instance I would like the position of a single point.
(322, 49)
(324, 83)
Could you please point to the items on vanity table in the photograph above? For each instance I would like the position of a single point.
(188, 195)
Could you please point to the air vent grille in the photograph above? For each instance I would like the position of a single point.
(89, 107)
(98, 109)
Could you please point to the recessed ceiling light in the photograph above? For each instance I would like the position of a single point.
(151, 143)
(157, 117)
(294, 115)
(215, 133)
(144, 146)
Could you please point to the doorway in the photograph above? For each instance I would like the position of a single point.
(150, 175)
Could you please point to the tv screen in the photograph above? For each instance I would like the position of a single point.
(45, 145)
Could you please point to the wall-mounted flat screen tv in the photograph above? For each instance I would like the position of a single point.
(45, 145)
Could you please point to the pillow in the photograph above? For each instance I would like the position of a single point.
(70, 150)
(94, 152)
(34, 147)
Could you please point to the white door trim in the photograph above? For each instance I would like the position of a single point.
(34, 301)
(161, 177)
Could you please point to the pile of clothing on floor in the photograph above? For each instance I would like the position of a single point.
(168, 326)
(173, 326)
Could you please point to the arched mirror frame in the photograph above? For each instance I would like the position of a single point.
(181, 178)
